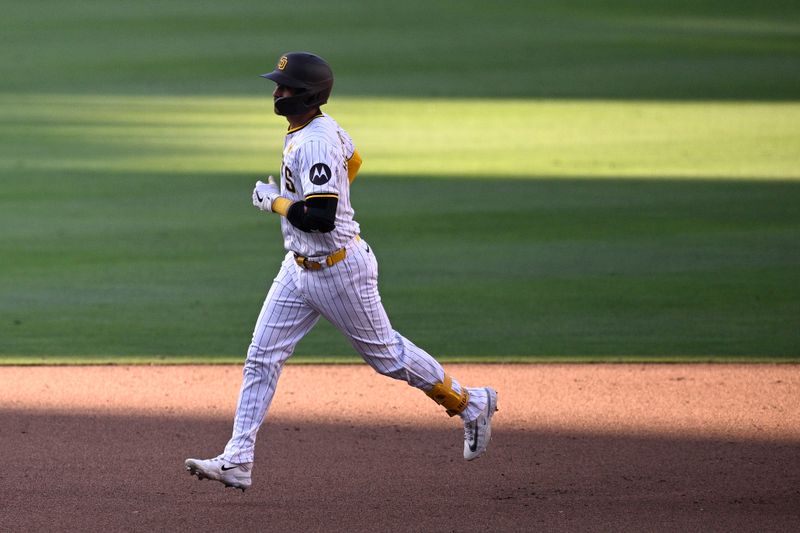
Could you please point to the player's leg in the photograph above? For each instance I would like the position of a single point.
(284, 319)
(348, 296)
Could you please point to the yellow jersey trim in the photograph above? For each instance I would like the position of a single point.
(298, 128)
(324, 195)
(353, 164)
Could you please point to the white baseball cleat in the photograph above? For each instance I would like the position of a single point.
(478, 432)
(230, 474)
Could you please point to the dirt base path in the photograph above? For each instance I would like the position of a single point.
(574, 448)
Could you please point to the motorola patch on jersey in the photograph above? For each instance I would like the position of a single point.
(319, 174)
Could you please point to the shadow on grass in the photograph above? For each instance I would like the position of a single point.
(91, 472)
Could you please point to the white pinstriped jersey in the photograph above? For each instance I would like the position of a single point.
(315, 164)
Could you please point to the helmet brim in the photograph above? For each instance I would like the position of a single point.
(282, 79)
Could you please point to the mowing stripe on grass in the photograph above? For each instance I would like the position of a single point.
(476, 138)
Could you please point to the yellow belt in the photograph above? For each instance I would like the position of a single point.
(330, 260)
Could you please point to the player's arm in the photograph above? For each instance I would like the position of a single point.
(353, 164)
(315, 214)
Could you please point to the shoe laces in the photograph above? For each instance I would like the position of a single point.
(469, 428)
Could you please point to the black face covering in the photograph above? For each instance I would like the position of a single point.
(297, 104)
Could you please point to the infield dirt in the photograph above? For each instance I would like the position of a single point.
(574, 448)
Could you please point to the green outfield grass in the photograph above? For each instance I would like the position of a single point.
(178, 264)
(578, 181)
(623, 49)
(459, 138)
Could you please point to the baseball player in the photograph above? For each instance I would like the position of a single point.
(328, 271)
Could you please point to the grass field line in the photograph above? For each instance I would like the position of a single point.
(467, 137)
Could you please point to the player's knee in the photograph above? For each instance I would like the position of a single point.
(255, 351)
(370, 348)
(386, 356)
(260, 355)
(386, 364)
(392, 372)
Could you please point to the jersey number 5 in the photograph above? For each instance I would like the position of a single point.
(287, 179)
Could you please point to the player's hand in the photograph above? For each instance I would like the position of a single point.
(265, 193)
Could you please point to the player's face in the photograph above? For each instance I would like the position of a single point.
(282, 91)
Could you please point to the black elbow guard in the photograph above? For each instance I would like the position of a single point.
(317, 214)
(296, 214)
(322, 225)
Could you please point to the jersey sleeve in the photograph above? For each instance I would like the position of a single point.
(351, 155)
(348, 147)
(353, 164)
(322, 169)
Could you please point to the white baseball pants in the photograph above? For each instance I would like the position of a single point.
(347, 295)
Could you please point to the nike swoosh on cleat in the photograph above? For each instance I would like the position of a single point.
(224, 469)
(474, 444)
